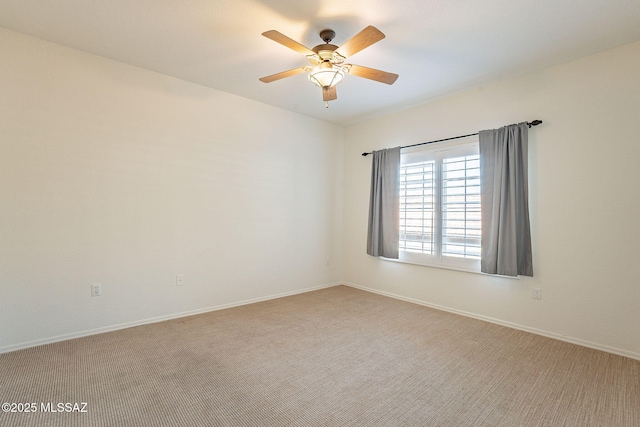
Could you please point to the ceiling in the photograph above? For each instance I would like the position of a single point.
(437, 47)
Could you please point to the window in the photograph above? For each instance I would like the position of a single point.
(440, 206)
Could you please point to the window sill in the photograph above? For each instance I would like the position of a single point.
(448, 267)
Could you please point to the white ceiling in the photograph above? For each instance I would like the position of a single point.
(436, 46)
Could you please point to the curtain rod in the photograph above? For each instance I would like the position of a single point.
(532, 123)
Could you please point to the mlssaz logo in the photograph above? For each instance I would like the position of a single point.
(64, 407)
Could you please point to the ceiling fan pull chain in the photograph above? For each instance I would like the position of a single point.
(326, 104)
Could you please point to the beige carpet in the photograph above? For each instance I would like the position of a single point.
(334, 357)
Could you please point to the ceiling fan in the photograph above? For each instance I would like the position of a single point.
(328, 66)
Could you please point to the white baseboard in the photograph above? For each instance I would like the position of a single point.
(80, 334)
(572, 340)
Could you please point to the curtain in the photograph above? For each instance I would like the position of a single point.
(384, 204)
(506, 235)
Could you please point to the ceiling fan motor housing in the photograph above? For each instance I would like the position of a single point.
(327, 52)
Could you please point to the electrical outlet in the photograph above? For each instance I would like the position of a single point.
(96, 290)
(537, 293)
(180, 280)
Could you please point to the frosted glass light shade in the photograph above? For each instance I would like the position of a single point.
(326, 75)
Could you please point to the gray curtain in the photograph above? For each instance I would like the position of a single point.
(384, 204)
(506, 235)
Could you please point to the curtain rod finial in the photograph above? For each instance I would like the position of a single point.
(365, 154)
(534, 123)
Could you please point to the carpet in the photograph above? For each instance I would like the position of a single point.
(333, 357)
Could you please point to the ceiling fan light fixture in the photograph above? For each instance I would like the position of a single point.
(326, 75)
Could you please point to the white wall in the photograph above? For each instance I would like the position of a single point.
(585, 208)
(116, 175)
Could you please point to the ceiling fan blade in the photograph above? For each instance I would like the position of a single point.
(282, 75)
(329, 94)
(373, 74)
(363, 39)
(286, 41)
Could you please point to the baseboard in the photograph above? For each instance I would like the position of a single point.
(65, 337)
(572, 340)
